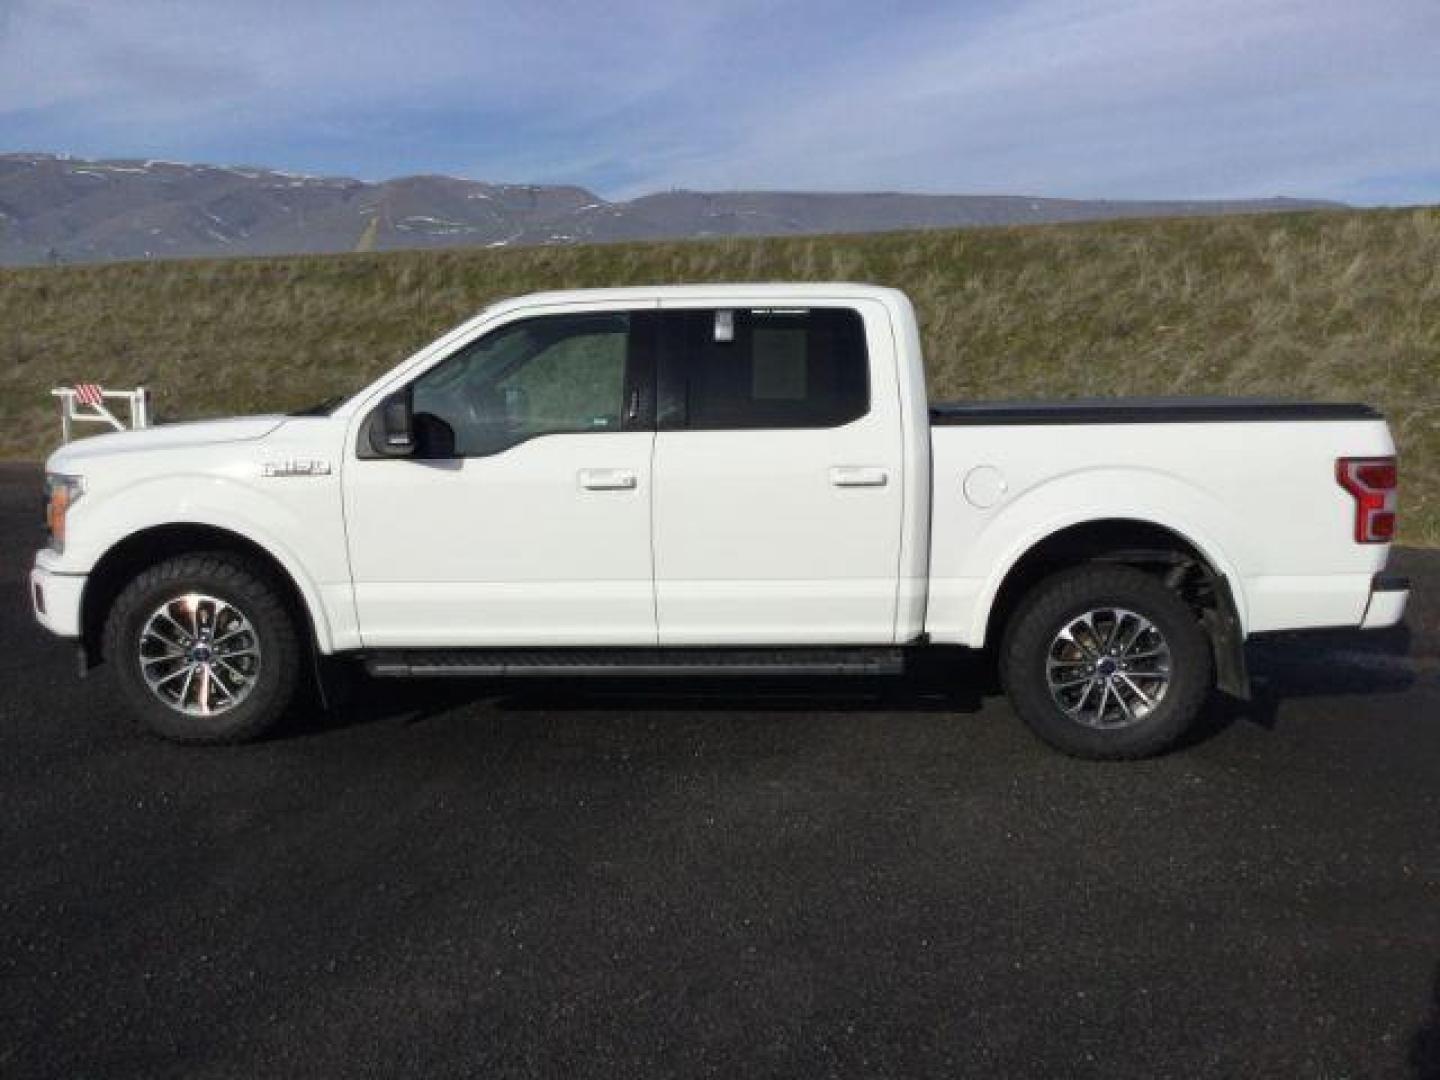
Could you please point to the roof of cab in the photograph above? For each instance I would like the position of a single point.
(806, 290)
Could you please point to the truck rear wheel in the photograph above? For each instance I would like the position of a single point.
(1106, 662)
(204, 649)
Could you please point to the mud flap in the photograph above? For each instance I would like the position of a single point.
(1222, 623)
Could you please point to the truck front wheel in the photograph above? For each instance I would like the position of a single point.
(204, 649)
(1106, 662)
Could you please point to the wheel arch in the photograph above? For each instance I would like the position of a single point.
(133, 554)
(1190, 566)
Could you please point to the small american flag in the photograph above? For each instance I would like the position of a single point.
(89, 393)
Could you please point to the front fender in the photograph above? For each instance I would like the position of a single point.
(298, 526)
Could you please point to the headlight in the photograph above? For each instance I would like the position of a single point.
(61, 492)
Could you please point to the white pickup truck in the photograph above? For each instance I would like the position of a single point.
(715, 481)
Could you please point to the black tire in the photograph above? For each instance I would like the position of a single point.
(1054, 604)
(251, 592)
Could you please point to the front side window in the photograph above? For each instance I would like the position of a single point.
(763, 368)
(550, 375)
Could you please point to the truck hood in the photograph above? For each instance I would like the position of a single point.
(71, 458)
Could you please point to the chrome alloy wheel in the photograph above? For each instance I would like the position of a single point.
(199, 655)
(1108, 668)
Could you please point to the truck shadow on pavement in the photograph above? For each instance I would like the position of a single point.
(361, 700)
(1329, 664)
(954, 681)
(1300, 667)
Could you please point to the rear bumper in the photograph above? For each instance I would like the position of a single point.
(55, 599)
(1389, 594)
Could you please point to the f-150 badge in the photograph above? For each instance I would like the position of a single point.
(297, 467)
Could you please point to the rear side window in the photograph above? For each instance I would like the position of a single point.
(762, 368)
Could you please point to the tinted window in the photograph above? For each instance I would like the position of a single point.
(562, 373)
(763, 368)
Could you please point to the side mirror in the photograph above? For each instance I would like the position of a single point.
(392, 432)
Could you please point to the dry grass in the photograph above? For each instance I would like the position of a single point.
(1332, 305)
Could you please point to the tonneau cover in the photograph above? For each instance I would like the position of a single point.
(1148, 410)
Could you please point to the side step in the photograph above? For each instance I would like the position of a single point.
(630, 663)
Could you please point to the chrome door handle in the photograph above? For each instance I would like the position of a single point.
(858, 476)
(608, 480)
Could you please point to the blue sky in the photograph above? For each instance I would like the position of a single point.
(1086, 98)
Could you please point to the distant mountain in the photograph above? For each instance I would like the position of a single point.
(61, 209)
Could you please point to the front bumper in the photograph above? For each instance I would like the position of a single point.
(1388, 596)
(55, 599)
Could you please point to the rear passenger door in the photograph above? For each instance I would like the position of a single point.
(777, 476)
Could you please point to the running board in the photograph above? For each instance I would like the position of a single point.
(630, 663)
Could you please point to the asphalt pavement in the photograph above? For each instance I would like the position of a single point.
(790, 882)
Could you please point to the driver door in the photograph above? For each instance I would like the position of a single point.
(524, 516)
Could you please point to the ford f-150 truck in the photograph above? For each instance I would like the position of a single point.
(709, 481)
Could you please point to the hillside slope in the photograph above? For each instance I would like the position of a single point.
(69, 210)
(1331, 305)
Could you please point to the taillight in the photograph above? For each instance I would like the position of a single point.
(1373, 482)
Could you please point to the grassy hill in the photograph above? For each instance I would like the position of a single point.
(1324, 305)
